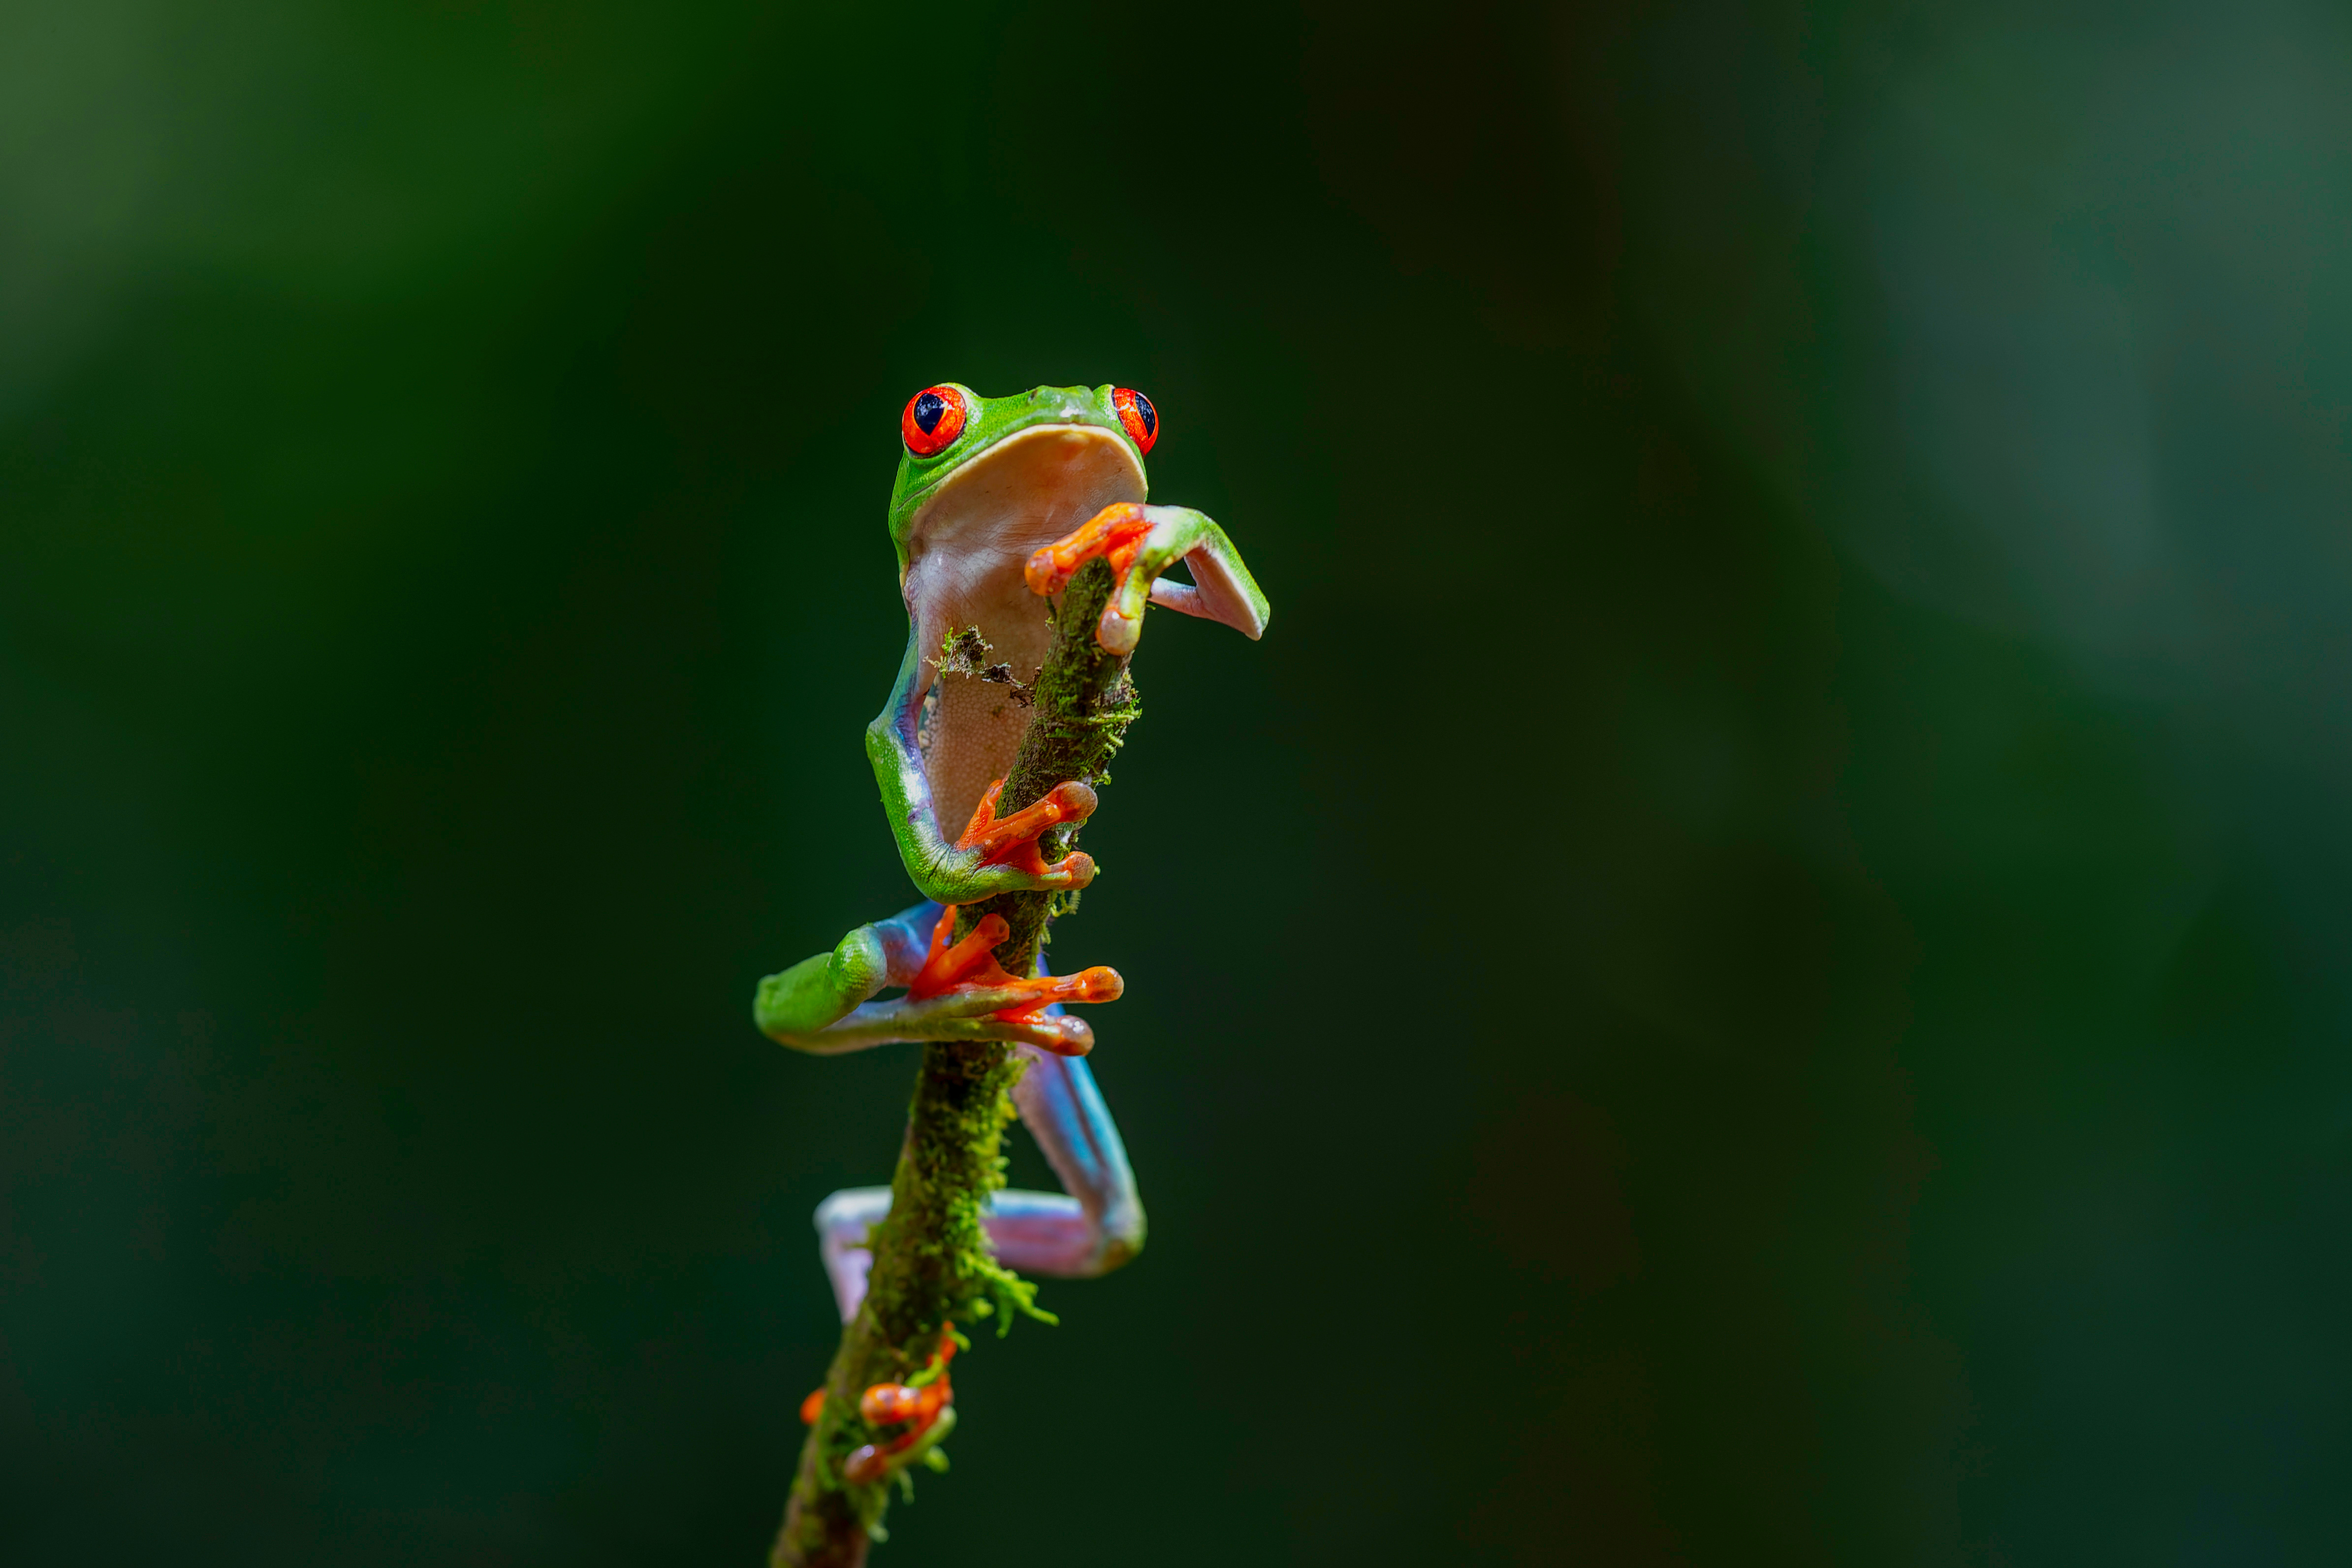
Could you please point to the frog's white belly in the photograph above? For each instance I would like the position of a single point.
(965, 552)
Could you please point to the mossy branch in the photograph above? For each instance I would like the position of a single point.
(932, 1258)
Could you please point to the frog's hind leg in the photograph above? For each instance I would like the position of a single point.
(842, 1223)
(1090, 1229)
(1098, 1222)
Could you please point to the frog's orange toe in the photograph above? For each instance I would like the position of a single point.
(1059, 1033)
(887, 1404)
(1096, 984)
(958, 963)
(1114, 533)
(970, 965)
(1002, 840)
(1013, 841)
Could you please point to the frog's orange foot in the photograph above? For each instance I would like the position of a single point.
(970, 965)
(1014, 841)
(1114, 533)
(1118, 533)
(888, 1403)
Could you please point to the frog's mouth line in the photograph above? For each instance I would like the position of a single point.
(983, 466)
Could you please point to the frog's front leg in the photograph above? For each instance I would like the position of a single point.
(991, 856)
(1091, 1228)
(1142, 541)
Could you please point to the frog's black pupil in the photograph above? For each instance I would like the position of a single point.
(1151, 414)
(927, 409)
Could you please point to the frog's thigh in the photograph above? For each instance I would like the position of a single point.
(1065, 1113)
(842, 1222)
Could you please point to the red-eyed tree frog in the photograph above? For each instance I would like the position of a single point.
(997, 501)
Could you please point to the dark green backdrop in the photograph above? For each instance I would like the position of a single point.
(1753, 972)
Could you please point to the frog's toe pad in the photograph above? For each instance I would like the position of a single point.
(1057, 1034)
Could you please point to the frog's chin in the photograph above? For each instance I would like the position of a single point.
(967, 546)
(1044, 481)
(965, 552)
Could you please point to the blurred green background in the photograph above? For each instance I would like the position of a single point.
(1753, 972)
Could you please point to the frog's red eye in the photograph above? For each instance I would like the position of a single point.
(1135, 411)
(934, 419)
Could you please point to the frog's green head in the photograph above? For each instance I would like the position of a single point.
(992, 474)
